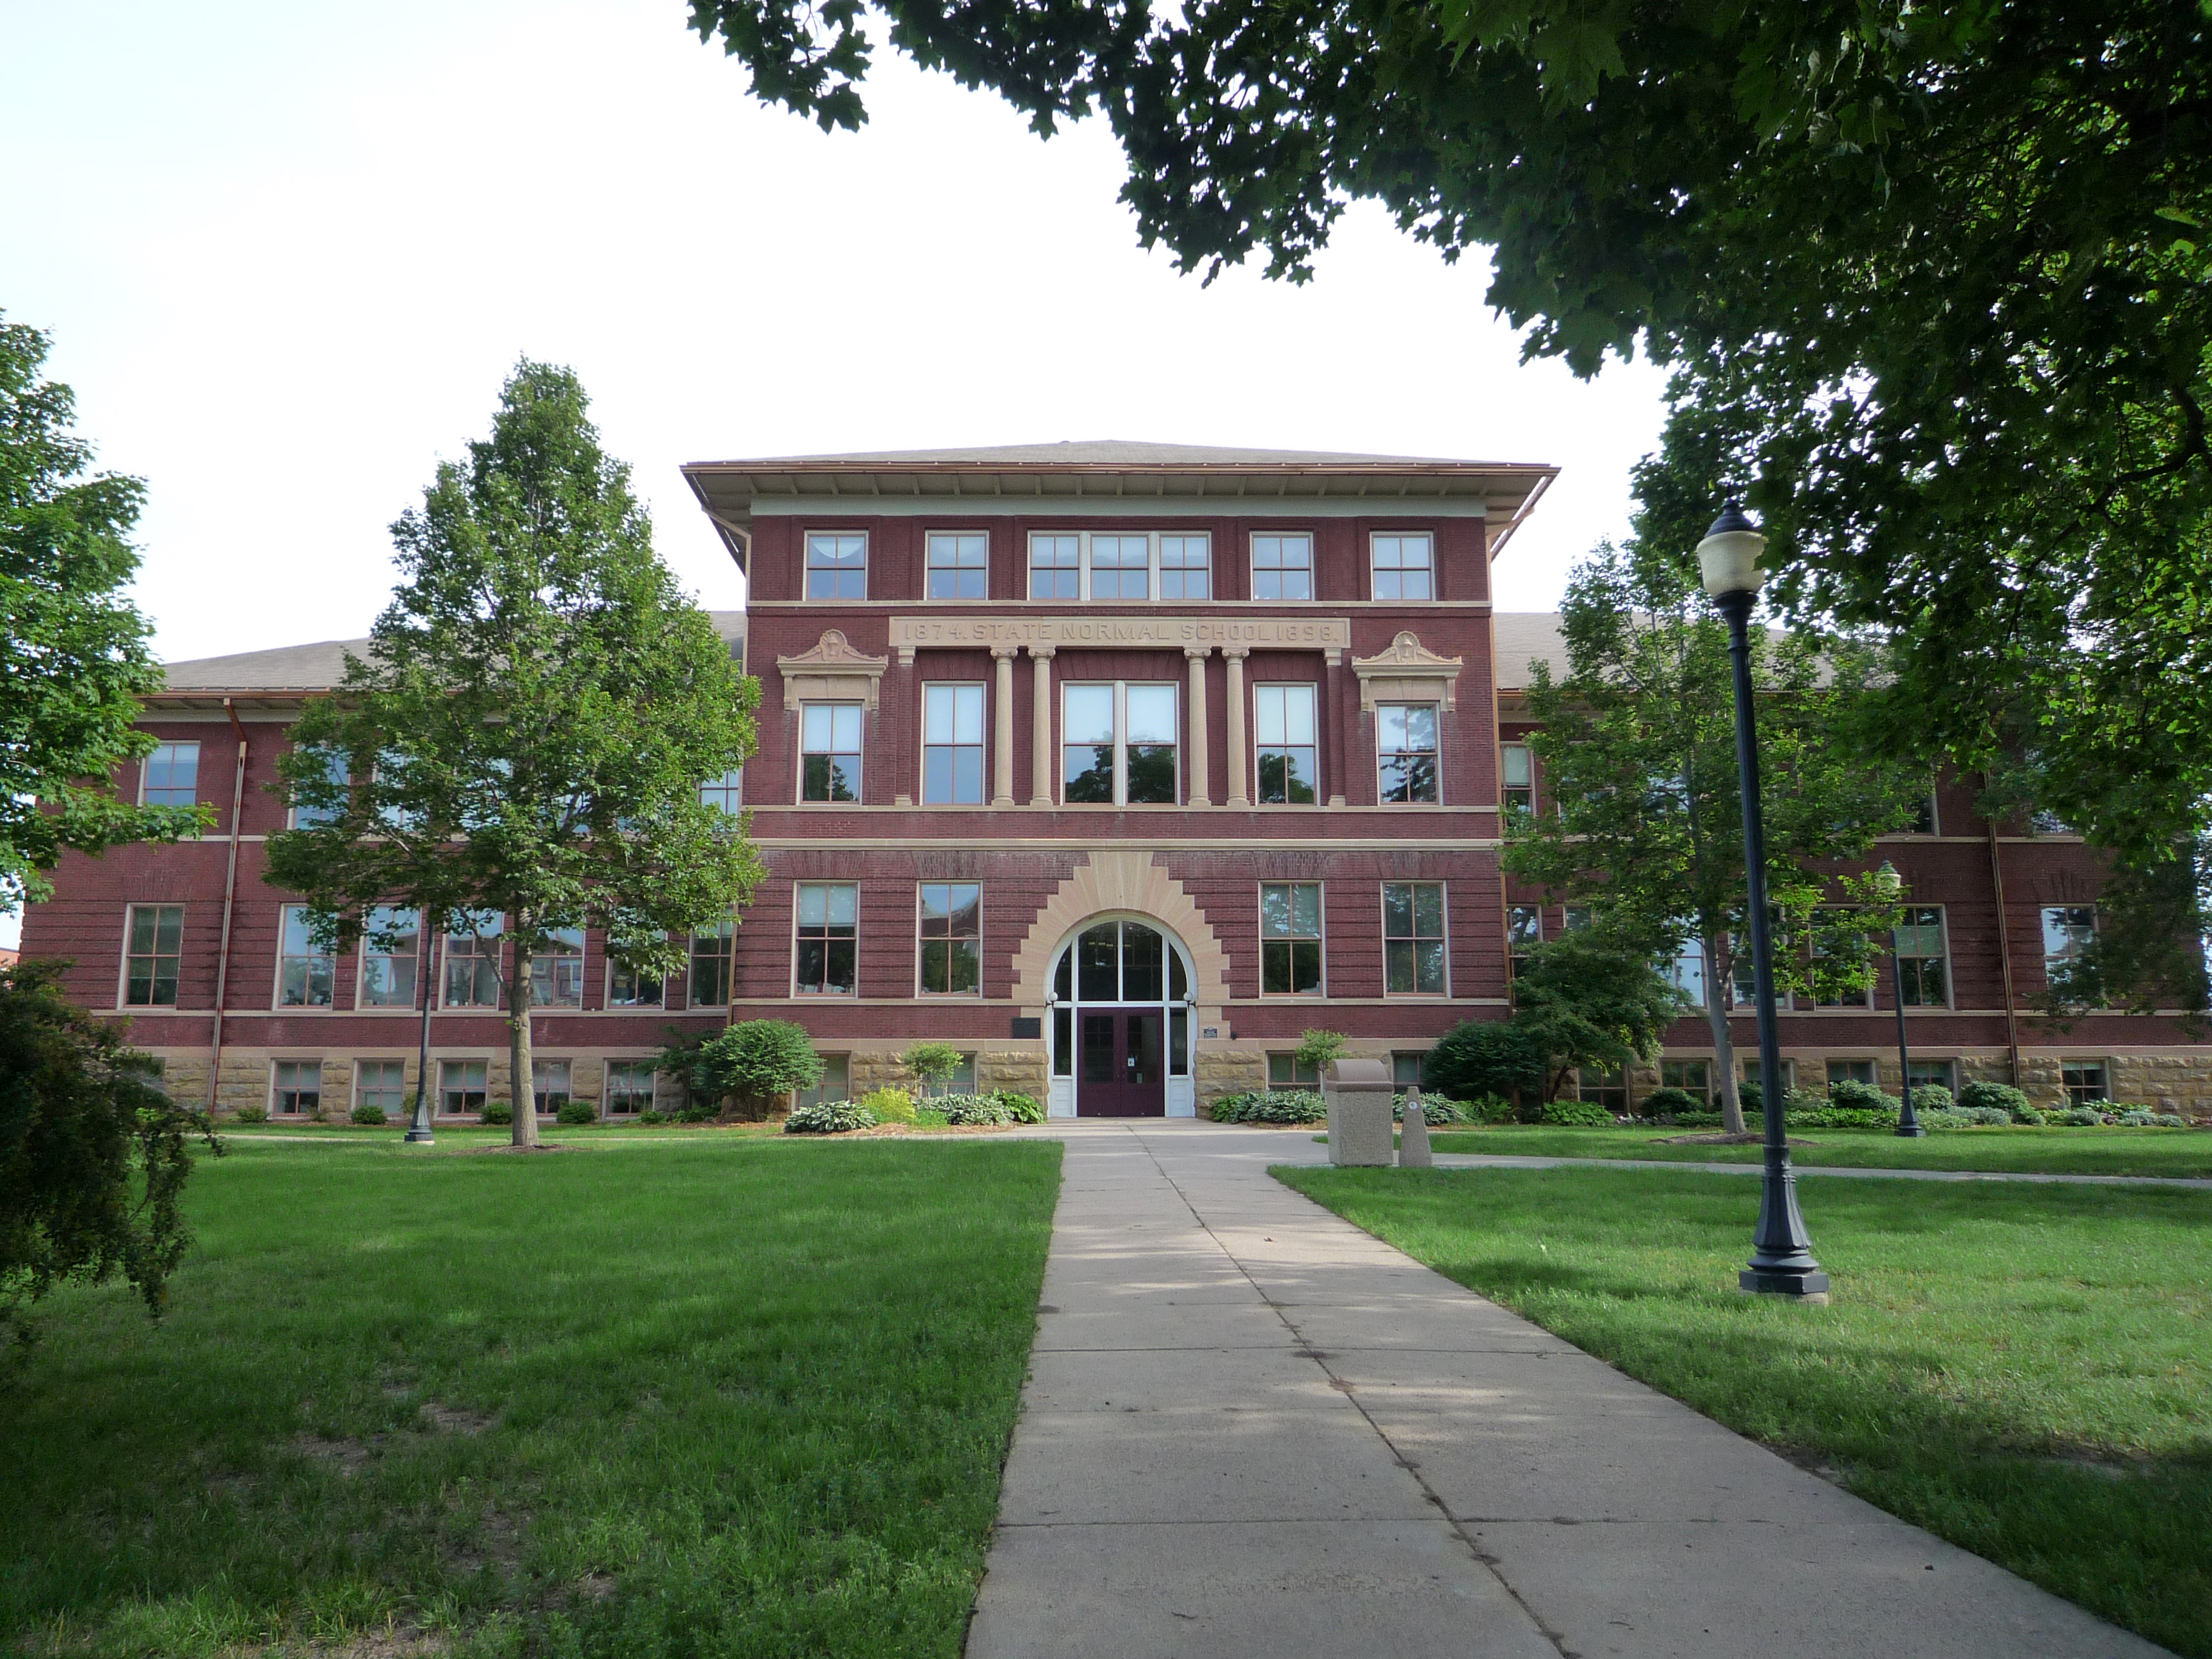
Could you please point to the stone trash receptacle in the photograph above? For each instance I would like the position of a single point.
(1358, 1093)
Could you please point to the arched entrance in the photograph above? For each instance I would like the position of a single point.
(1119, 1030)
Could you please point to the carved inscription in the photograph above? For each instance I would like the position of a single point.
(1258, 633)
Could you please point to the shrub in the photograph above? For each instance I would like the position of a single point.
(1856, 1096)
(972, 1110)
(2138, 1117)
(1671, 1102)
(1944, 1117)
(1989, 1115)
(1932, 1097)
(370, 1113)
(574, 1113)
(758, 1062)
(928, 1117)
(498, 1111)
(253, 1115)
(2083, 1117)
(1488, 1108)
(2169, 1120)
(1483, 1058)
(889, 1105)
(697, 1109)
(1020, 1107)
(2003, 1097)
(1577, 1114)
(1284, 1106)
(1435, 1109)
(652, 1116)
(1318, 1048)
(829, 1117)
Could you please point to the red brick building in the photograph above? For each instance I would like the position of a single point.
(1117, 765)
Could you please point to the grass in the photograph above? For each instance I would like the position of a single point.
(2025, 1370)
(2111, 1151)
(737, 1396)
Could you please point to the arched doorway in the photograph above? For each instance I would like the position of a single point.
(1120, 1022)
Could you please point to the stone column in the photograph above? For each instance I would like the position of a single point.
(1040, 725)
(1201, 783)
(1002, 750)
(1235, 655)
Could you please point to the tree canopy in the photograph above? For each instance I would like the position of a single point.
(1934, 281)
(519, 754)
(77, 660)
(1589, 998)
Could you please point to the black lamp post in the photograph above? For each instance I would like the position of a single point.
(418, 1126)
(1782, 1261)
(1908, 1121)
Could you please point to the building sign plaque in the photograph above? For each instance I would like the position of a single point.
(911, 633)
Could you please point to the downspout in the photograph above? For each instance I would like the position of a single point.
(2004, 952)
(229, 904)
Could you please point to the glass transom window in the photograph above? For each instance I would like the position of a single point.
(836, 566)
(959, 564)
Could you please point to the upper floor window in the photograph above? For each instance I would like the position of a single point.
(959, 564)
(952, 745)
(725, 793)
(1524, 931)
(1055, 567)
(828, 939)
(1405, 567)
(951, 938)
(556, 972)
(390, 943)
(1283, 722)
(1282, 566)
(1923, 979)
(172, 777)
(335, 768)
(1841, 985)
(1118, 745)
(837, 565)
(1290, 939)
(628, 989)
(1120, 567)
(1406, 752)
(710, 966)
(1516, 778)
(1186, 567)
(2068, 931)
(154, 951)
(305, 967)
(1924, 822)
(1413, 937)
(472, 963)
(829, 751)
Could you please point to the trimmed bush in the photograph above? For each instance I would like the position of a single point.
(2169, 1120)
(2083, 1117)
(1435, 1109)
(1284, 1106)
(1485, 1057)
(652, 1116)
(2001, 1097)
(498, 1111)
(1943, 1117)
(370, 1113)
(972, 1110)
(928, 1117)
(1577, 1114)
(758, 1062)
(1990, 1116)
(1932, 1097)
(1855, 1096)
(829, 1117)
(1020, 1107)
(575, 1113)
(252, 1114)
(889, 1105)
(1488, 1108)
(1670, 1102)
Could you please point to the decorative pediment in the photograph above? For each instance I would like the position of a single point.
(833, 671)
(1409, 672)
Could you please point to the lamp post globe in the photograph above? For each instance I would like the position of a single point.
(1782, 1261)
(1909, 1126)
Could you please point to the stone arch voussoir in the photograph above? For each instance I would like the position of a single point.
(1120, 878)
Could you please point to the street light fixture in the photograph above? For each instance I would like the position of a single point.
(1782, 1261)
(1892, 887)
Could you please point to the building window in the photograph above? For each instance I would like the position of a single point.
(951, 938)
(836, 1082)
(556, 972)
(1603, 1086)
(630, 1087)
(1691, 1076)
(1406, 752)
(829, 751)
(296, 1088)
(1186, 567)
(549, 1085)
(952, 745)
(1923, 815)
(725, 793)
(1413, 937)
(1851, 1071)
(1290, 939)
(472, 963)
(829, 913)
(381, 1083)
(1282, 568)
(1055, 567)
(710, 966)
(154, 950)
(960, 1080)
(391, 944)
(335, 768)
(1406, 1071)
(1285, 1072)
(1829, 989)
(1405, 568)
(1923, 980)
(172, 777)
(1524, 931)
(2068, 931)
(1118, 744)
(1933, 1073)
(1687, 971)
(1516, 778)
(460, 1086)
(2085, 1081)
(836, 566)
(1283, 727)
(305, 970)
(628, 989)
(1120, 567)
(1747, 1072)
(959, 565)
(2045, 822)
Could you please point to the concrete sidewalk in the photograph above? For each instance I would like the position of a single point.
(1251, 1429)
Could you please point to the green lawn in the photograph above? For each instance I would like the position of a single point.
(2024, 1369)
(741, 1396)
(2026, 1151)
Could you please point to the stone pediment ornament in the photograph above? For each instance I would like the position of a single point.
(1407, 671)
(833, 671)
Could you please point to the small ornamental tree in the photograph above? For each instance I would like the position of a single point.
(92, 1159)
(1583, 999)
(932, 1063)
(1318, 1048)
(519, 754)
(1483, 1058)
(757, 1062)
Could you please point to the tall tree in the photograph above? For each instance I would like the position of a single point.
(1641, 816)
(520, 752)
(1591, 999)
(77, 660)
(1936, 283)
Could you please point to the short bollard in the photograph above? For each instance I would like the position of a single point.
(1413, 1151)
(1359, 1096)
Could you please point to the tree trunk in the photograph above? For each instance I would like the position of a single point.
(521, 1086)
(1723, 1041)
